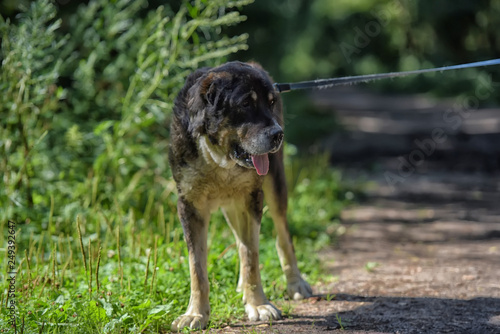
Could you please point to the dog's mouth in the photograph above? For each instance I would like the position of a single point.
(258, 161)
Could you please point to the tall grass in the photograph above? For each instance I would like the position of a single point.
(114, 272)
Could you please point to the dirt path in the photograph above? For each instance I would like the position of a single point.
(424, 258)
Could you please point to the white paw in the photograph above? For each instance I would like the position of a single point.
(264, 312)
(299, 289)
(191, 321)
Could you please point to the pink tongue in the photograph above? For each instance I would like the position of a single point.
(261, 163)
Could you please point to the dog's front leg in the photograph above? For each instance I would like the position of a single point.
(244, 218)
(195, 226)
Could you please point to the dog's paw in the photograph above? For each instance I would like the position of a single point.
(191, 321)
(264, 312)
(299, 289)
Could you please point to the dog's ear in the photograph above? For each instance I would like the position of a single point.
(208, 89)
(204, 99)
(211, 84)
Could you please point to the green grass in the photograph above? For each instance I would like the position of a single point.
(339, 320)
(141, 264)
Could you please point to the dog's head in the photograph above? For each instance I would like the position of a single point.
(236, 110)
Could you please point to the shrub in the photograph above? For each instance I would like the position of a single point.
(84, 118)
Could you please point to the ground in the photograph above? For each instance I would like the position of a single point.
(419, 256)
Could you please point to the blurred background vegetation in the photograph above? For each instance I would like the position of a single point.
(299, 40)
(87, 89)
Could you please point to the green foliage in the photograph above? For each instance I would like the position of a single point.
(323, 38)
(317, 198)
(28, 101)
(84, 115)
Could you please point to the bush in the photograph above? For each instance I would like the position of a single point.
(85, 114)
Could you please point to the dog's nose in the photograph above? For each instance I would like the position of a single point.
(276, 136)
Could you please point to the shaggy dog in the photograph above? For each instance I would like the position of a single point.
(225, 152)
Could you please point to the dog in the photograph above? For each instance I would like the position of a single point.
(226, 152)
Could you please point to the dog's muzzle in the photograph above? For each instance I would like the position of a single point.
(276, 138)
(254, 154)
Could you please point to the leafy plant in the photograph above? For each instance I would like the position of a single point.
(85, 114)
(30, 95)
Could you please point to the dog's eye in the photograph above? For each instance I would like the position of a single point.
(272, 101)
(246, 103)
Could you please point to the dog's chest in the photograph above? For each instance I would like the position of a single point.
(216, 187)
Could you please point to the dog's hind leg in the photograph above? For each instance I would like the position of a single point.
(244, 219)
(276, 197)
(195, 225)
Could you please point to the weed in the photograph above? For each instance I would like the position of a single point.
(330, 297)
(370, 266)
(339, 320)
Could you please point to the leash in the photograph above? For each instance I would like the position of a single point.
(327, 83)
